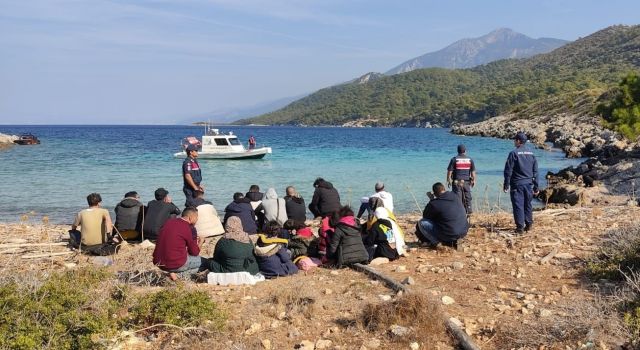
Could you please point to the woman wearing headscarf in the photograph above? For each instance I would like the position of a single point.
(234, 251)
(394, 233)
(274, 208)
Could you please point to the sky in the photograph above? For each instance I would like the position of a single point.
(163, 61)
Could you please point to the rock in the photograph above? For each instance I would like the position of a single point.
(457, 265)
(323, 343)
(70, 265)
(447, 300)
(328, 291)
(146, 244)
(294, 333)
(422, 269)
(455, 321)
(384, 297)
(544, 313)
(564, 290)
(414, 346)
(565, 256)
(334, 272)
(481, 287)
(409, 281)
(266, 344)
(253, 329)
(401, 268)
(379, 261)
(475, 255)
(305, 345)
(373, 343)
(399, 331)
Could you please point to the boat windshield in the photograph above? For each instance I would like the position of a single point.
(234, 141)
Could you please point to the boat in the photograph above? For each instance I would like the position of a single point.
(217, 145)
(27, 139)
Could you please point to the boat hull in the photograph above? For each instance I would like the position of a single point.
(256, 153)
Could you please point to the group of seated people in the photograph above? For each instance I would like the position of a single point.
(267, 234)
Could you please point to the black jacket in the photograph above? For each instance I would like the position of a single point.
(346, 245)
(296, 210)
(156, 214)
(128, 215)
(254, 196)
(326, 200)
(242, 209)
(448, 214)
(376, 243)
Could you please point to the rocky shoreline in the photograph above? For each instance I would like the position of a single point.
(613, 167)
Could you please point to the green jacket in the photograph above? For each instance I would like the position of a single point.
(233, 256)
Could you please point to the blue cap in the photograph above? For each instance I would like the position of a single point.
(521, 136)
(191, 147)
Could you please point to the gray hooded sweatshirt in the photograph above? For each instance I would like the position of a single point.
(274, 208)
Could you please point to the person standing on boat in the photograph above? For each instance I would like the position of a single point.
(252, 142)
(192, 176)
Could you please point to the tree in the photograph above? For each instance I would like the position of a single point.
(623, 113)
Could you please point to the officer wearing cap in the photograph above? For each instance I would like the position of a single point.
(462, 173)
(521, 178)
(192, 175)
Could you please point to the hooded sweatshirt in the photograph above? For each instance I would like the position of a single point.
(242, 209)
(156, 214)
(274, 208)
(128, 215)
(326, 199)
(296, 209)
(447, 212)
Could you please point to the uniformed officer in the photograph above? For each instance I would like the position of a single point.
(521, 177)
(462, 173)
(192, 175)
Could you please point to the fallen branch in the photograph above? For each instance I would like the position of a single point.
(183, 329)
(24, 245)
(463, 339)
(45, 255)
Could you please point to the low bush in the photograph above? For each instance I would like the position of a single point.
(87, 308)
(620, 254)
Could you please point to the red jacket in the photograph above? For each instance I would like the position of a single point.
(175, 241)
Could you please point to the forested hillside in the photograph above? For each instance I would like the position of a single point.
(445, 96)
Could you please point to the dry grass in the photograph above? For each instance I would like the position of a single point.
(578, 322)
(415, 311)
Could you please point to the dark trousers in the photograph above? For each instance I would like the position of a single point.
(464, 192)
(521, 197)
(190, 195)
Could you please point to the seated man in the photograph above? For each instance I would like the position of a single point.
(208, 221)
(241, 208)
(95, 223)
(129, 216)
(157, 213)
(444, 219)
(386, 197)
(177, 247)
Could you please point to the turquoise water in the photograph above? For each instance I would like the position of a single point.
(54, 178)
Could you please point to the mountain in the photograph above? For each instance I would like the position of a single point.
(466, 53)
(228, 115)
(446, 96)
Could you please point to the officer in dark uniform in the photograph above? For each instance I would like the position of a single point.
(521, 177)
(192, 175)
(462, 173)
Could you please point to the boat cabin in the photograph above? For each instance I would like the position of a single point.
(216, 142)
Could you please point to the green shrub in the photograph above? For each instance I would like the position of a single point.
(623, 113)
(177, 307)
(62, 313)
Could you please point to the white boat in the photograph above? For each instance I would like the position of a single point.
(217, 145)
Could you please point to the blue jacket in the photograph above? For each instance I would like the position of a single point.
(447, 213)
(521, 168)
(274, 260)
(244, 211)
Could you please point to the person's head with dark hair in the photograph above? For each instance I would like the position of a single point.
(254, 188)
(131, 194)
(317, 182)
(94, 199)
(160, 194)
(293, 224)
(438, 188)
(273, 229)
(461, 149)
(238, 196)
(198, 194)
(291, 192)
(190, 214)
(345, 211)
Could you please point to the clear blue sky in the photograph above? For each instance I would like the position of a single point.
(159, 61)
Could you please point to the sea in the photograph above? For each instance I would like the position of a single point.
(53, 179)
